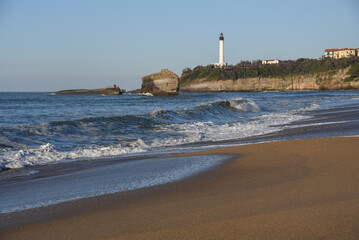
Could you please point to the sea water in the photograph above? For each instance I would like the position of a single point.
(40, 128)
(125, 142)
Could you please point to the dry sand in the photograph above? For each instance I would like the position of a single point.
(304, 189)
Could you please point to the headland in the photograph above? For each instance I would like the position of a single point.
(302, 74)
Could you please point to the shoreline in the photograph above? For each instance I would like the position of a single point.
(294, 189)
(61, 183)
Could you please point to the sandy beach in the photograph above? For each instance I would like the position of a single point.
(301, 189)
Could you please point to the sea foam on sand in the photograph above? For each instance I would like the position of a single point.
(118, 177)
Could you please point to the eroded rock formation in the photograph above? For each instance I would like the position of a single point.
(319, 81)
(164, 83)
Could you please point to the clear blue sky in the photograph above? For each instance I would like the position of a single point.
(48, 45)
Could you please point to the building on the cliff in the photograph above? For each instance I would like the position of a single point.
(329, 53)
(221, 62)
(275, 61)
(341, 52)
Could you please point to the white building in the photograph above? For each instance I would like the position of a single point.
(275, 61)
(221, 62)
(340, 53)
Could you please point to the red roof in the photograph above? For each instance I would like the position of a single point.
(331, 50)
(338, 49)
(347, 49)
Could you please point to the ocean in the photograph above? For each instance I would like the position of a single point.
(41, 131)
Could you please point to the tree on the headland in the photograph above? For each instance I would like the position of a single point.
(187, 69)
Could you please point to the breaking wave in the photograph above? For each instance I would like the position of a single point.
(97, 137)
(49, 153)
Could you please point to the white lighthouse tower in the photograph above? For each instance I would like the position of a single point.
(221, 49)
(221, 62)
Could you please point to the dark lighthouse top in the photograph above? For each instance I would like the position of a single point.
(221, 37)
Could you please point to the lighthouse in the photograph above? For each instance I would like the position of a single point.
(221, 62)
(221, 49)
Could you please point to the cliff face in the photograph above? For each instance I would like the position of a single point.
(164, 83)
(112, 90)
(319, 81)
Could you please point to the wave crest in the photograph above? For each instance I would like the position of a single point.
(244, 105)
(49, 153)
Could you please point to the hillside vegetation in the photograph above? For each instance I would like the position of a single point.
(246, 69)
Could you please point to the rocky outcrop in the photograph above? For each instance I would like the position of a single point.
(112, 90)
(319, 81)
(164, 83)
(136, 91)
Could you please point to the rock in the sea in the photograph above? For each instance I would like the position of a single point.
(161, 84)
(112, 90)
(136, 91)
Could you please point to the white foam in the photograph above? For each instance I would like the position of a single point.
(146, 94)
(244, 105)
(156, 112)
(209, 131)
(48, 153)
(312, 107)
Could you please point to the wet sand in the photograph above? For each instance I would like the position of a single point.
(302, 189)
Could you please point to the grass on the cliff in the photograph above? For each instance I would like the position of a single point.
(246, 69)
(353, 72)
